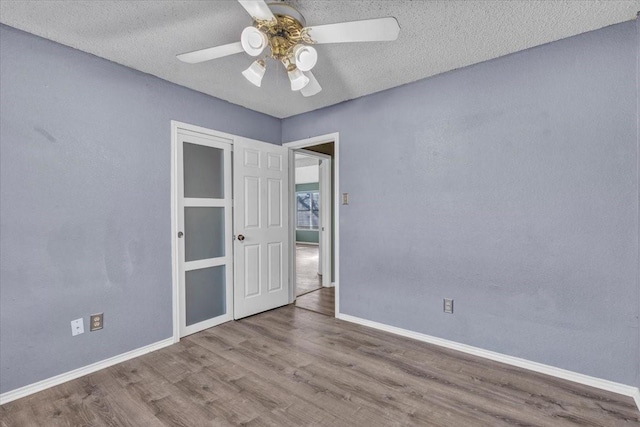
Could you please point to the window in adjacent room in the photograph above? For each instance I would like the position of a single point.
(308, 210)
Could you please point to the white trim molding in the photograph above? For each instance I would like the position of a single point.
(625, 390)
(18, 393)
(636, 396)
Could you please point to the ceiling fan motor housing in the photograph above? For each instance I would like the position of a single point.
(285, 32)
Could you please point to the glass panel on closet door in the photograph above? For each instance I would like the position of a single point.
(205, 294)
(203, 171)
(203, 233)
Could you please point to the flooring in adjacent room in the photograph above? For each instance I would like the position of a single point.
(307, 277)
(321, 301)
(293, 367)
(310, 294)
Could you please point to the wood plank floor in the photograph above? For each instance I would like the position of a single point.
(293, 367)
(307, 277)
(321, 301)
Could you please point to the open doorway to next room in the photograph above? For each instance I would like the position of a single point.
(308, 272)
(314, 231)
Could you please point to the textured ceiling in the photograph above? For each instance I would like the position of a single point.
(435, 37)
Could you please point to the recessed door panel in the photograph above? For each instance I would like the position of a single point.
(251, 158)
(251, 202)
(251, 270)
(274, 200)
(274, 162)
(274, 262)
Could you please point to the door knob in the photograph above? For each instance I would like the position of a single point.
(180, 234)
(240, 237)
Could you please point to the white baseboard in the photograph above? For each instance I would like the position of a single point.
(636, 397)
(602, 384)
(12, 395)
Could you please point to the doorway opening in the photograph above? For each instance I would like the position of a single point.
(309, 274)
(314, 229)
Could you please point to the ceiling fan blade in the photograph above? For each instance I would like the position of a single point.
(313, 87)
(210, 53)
(369, 30)
(257, 9)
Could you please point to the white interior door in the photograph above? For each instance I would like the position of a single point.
(261, 222)
(205, 248)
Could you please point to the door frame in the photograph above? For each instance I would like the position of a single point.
(176, 127)
(308, 142)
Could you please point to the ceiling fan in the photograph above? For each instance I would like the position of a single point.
(283, 29)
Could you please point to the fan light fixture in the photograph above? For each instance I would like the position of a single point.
(283, 28)
(297, 78)
(255, 72)
(305, 57)
(253, 41)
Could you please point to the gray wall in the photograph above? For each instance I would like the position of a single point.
(85, 202)
(510, 186)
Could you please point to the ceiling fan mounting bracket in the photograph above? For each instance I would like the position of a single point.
(283, 34)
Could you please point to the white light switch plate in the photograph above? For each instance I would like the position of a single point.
(448, 305)
(77, 327)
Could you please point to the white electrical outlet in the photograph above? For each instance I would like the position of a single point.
(77, 327)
